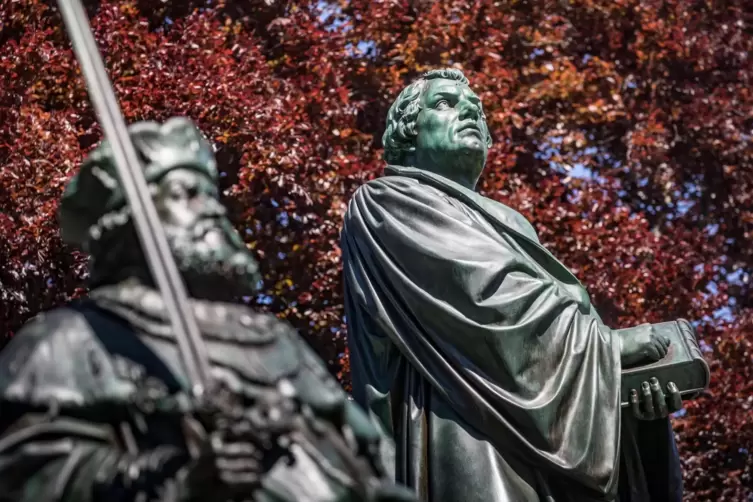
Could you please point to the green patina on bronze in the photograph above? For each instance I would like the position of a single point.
(437, 124)
(93, 394)
(478, 350)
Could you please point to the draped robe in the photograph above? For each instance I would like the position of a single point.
(483, 356)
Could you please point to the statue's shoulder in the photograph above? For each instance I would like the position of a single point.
(258, 345)
(57, 357)
(400, 192)
(258, 328)
(314, 385)
(395, 187)
(62, 329)
(393, 181)
(264, 350)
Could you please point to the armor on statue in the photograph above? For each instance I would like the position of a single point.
(95, 402)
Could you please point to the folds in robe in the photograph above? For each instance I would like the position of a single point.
(477, 349)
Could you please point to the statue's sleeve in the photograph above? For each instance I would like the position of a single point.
(47, 452)
(516, 353)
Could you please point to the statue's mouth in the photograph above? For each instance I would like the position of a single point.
(205, 226)
(470, 127)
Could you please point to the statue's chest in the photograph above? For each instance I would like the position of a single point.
(251, 356)
(239, 363)
(244, 348)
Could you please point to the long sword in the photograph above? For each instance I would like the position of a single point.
(148, 226)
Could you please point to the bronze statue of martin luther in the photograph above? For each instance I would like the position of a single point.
(476, 348)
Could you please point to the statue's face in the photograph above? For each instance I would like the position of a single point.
(212, 257)
(452, 132)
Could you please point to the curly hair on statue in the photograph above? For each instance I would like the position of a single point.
(399, 137)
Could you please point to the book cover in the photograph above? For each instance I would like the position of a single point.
(684, 363)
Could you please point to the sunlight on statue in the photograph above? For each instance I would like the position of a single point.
(479, 351)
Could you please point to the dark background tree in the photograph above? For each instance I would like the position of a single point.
(622, 130)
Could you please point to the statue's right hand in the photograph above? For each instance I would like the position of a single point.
(642, 345)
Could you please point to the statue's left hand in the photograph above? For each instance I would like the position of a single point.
(651, 403)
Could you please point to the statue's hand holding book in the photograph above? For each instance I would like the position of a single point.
(662, 364)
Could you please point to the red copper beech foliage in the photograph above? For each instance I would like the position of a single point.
(622, 130)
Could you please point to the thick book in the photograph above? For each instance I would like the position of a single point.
(684, 363)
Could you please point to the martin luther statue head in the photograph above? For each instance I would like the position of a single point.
(437, 124)
(180, 169)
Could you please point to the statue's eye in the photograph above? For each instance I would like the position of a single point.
(181, 191)
(442, 104)
(176, 191)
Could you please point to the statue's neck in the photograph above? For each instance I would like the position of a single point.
(456, 175)
(468, 182)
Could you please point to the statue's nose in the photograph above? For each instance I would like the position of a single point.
(212, 207)
(469, 110)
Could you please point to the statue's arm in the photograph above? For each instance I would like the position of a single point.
(48, 455)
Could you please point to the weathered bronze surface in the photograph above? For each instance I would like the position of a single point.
(477, 349)
(94, 401)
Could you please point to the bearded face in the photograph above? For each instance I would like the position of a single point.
(211, 256)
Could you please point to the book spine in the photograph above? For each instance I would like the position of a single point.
(691, 341)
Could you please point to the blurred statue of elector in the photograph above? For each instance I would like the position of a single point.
(95, 401)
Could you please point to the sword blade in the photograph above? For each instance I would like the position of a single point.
(149, 228)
